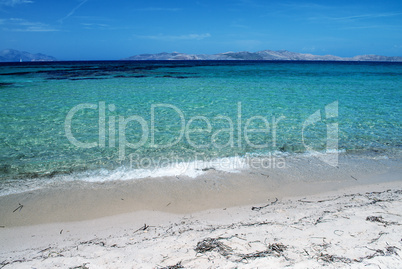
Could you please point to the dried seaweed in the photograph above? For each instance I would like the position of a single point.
(374, 219)
(4, 263)
(254, 255)
(333, 258)
(210, 244)
(390, 250)
(275, 249)
(93, 242)
(381, 220)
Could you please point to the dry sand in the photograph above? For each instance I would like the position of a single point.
(353, 228)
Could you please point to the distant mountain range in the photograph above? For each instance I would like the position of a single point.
(280, 55)
(10, 55)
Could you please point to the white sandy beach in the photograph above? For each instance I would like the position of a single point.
(307, 215)
(357, 227)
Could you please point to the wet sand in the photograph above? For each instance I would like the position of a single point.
(77, 200)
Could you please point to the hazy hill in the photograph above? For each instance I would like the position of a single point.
(10, 55)
(283, 55)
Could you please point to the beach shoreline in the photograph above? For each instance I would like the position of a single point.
(81, 200)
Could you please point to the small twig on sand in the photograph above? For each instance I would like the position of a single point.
(176, 266)
(353, 177)
(318, 220)
(19, 207)
(376, 239)
(319, 201)
(4, 263)
(338, 232)
(83, 266)
(143, 228)
(390, 250)
(258, 208)
(43, 250)
(259, 174)
(207, 168)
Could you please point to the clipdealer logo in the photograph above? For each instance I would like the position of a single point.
(330, 156)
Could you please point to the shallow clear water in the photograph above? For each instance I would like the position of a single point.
(201, 110)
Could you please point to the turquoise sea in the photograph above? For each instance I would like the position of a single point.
(121, 120)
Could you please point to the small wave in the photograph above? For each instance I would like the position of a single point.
(187, 169)
(190, 170)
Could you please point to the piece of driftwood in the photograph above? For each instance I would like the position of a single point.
(258, 208)
(19, 207)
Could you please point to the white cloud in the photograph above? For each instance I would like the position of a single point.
(92, 26)
(12, 3)
(366, 16)
(356, 17)
(21, 25)
(374, 26)
(250, 3)
(72, 11)
(158, 9)
(308, 6)
(176, 37)
(309, 49)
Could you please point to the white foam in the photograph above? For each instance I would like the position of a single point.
(323, 153)
(188, 170)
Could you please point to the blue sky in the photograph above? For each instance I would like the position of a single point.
(107, 30)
